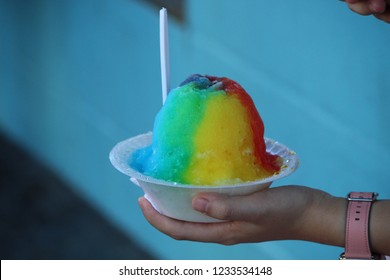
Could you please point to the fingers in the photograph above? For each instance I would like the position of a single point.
(377, 6)
(368, 7)
(384, 16)
(161, 222)
(180, 230)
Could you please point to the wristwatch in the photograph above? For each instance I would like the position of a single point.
(357, 239)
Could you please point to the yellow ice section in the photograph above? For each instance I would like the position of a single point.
(223, 145)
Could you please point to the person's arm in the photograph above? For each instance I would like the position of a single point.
(281, 213)
(380, 227)
(379, 8)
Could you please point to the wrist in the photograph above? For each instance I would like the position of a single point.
(360, 225)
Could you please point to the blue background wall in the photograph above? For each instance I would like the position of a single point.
(78, 76)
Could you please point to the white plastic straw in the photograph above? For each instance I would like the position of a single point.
(164, 53)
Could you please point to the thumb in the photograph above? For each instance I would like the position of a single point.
(224, 207)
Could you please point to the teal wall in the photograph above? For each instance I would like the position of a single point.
(78, 76)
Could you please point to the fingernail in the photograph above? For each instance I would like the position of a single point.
(376, 7)
(200, 204)
(140, 200)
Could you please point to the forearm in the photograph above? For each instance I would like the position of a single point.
(325, 221)
(380, 227)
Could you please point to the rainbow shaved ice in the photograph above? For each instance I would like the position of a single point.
(207, 133)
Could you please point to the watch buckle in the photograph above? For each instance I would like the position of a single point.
(362, 199)
(373, 257)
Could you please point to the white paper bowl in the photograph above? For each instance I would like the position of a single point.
(175, 200)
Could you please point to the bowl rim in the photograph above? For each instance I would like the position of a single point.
(121, 152)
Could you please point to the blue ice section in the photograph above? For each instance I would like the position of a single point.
(140, 158)
(77, 77)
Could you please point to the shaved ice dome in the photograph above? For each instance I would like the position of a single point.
(207, 133)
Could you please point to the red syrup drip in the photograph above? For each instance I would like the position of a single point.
(268, 161)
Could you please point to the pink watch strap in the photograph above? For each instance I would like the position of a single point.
(357, 244)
